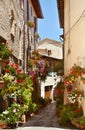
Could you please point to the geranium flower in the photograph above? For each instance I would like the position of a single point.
(7, 70)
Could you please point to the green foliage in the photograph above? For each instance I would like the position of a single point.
(12, 114)
(36, 35)
(33, 107)
(64, 115)
(70, 112)
(31, 24)
(59, 92)
(21, 76)
(48, 100)
(80, 120)
(5, 53)
(12, 71)
(59, 67)
(2, 122)
(9, 89)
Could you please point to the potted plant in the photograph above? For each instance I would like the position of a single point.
(36, 35)
(83, 78)
(12, 115)
(31, 24)
(5, 53)
(79, 122)
(1, 82)
(73, 75)
(3, 124)
(76, 96)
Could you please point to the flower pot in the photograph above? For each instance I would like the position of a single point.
(82, 127)
(1, 84)
(12, 126)
(3, 126)
(83, 81)
(75, 124)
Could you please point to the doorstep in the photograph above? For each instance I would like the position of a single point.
(42, 128)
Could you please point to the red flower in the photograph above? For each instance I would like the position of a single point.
(25, 83)
(7, 70)
(12, 65)
(19, 80)
(76, 110)
(72, 72)
(7, 61)
(16, 65)
(19, 70)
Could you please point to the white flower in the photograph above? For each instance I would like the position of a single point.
(8, 118)
(8, 77)
(14, 110)
(5, 112)
(80, 98)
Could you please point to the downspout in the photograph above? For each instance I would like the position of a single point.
(24, 47)
(28, 46)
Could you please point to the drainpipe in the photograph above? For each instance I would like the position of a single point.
(24, 47)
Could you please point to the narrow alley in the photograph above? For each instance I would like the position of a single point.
(45, 117)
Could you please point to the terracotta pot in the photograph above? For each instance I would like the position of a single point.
(83, 81)
(3, 126)
(1, 84)
(82, 127)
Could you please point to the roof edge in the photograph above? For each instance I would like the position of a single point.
(37, 8)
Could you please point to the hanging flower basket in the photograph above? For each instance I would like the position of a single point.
(36, 35)
(31, 24)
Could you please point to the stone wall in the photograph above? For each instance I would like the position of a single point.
(14, 29)
(11, 25)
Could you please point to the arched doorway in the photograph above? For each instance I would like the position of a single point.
(48, 90)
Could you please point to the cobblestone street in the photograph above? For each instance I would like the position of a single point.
(45, 117)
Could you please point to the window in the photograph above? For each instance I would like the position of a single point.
(49, 52)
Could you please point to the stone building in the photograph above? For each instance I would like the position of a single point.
(52, 52)
(14, 17)
(72, 16)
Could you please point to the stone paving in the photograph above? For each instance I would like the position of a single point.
(46, 119)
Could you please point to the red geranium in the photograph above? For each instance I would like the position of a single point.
(7, 61)
(25, 83)
(7, 70)
(19, 80)
(76, 110)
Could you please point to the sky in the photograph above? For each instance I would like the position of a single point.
(49, 26)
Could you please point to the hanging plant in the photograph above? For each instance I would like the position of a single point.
(36, 35)
(73, 75)
(31, 24)
(5, 53)
(75, 96)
